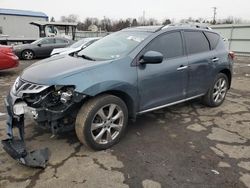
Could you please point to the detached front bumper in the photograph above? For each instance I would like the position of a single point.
(15, 145)
(17, 150)
(59, 118)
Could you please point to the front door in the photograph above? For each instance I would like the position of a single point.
(163, 83)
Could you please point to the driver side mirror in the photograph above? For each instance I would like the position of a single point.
(39, 44)
(151, 57)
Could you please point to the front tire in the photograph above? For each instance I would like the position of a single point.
(101, 122)
(28, 55)
(217, 92)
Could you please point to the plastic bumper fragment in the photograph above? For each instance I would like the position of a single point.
(16, 149)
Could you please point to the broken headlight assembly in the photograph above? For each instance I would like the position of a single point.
(65, 93)
(54, 96)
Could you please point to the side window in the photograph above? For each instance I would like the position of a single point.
(196, 42)
(170, 45)
(61, 41)
(213, 39)
(48, 41)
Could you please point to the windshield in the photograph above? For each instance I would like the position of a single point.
(114, 46)
(78, 43)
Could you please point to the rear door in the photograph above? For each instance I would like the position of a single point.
(61, 43)
(200, 64)
(45, 48)
(163, 83)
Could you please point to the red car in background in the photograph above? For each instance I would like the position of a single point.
(7, 58)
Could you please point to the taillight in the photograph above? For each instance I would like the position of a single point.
(231, 55)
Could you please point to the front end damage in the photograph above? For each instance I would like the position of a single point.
(53, 107)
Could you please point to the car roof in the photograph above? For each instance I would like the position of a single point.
(150, 29)
(153, 29)
(55, 38)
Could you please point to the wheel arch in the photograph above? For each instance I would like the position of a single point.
(228, 73)
(128, 100)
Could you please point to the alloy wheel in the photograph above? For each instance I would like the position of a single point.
(219, 91)
(107, 124)
(28, 55)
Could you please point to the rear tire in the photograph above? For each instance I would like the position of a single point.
(28, 55)
(101, 122)
(217, 92)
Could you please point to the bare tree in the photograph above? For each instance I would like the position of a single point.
(231, 20)
(70, 18)
(106, 24)
(166, 22)
(134, 22)
(109, 25)
(151, 21)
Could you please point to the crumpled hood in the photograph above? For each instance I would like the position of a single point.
(50, 70)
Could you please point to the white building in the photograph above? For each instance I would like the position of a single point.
(16, 23)
(93, 28)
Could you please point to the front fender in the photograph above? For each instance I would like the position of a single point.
(115, 76)
(111, 85)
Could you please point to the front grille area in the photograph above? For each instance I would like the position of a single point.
(21, 87)
(18, 84)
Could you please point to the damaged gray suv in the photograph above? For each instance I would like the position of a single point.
(130, 72)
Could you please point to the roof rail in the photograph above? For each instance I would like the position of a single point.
(189, 24)
(160, 28)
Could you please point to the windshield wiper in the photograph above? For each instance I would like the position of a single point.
(86, 57)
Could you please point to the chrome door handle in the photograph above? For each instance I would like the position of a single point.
(182, 67)
(215, 59)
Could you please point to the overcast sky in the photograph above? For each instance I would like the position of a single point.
(115, 9)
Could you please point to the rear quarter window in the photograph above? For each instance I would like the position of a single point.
(47, 41)
(196, 42)
(213, 39)
(61, 41)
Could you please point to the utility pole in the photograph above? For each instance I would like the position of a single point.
(215, 12)
(143, 17)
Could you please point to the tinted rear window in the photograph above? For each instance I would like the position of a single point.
(196, 42)
(213, 39)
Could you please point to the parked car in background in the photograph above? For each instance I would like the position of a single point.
(77, 46)
(41, 48)
(7, 58)
(120, 76)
